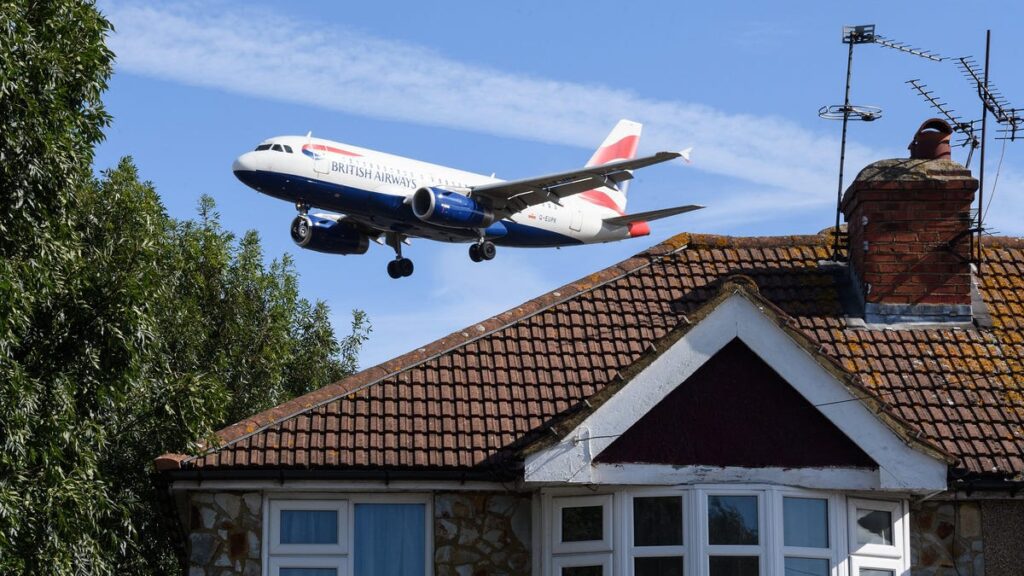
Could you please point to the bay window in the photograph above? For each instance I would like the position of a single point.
(721, 531)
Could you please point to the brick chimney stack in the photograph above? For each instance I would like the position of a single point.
(909, 227)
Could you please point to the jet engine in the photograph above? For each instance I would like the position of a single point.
(450, 209)
(314, 232)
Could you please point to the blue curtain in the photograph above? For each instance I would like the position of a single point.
(806, 522)
(309, 527)
(390, 540)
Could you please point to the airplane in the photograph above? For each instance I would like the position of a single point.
(389, 199)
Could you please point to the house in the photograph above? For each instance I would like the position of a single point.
(713, 406)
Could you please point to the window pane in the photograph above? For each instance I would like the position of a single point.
(806, 522)
(874, 527)
(733, 565)
(732, 520)
(658, 521)
(582, 523)
(309, 527)
(308, 572)
(582, 571)
(876, 572)
(658, 566)
(806, 567)
(390, 540)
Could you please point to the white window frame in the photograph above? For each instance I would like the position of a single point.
(844, 559)
(834, 510)
(895, 510)
(278, 555)
(604, 560)
(340, 563)
(558, 503)
(340, 507)
(707, 550)
(634, 551)
(858, 562)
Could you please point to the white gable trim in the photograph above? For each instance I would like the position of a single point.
(901, 468)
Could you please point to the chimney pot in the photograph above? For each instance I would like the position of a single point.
(931, 141)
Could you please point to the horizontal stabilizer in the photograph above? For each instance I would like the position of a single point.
(652, 215)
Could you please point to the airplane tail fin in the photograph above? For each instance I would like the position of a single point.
(621, 144)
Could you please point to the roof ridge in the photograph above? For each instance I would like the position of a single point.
(363, 379)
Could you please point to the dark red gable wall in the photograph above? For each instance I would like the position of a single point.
(735, 410)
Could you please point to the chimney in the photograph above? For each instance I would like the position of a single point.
(909, 225)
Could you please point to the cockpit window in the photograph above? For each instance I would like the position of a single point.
(287, 148)
(263, 147)
(276, 148)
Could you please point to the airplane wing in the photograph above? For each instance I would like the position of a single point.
(652, 215)
(516, 195)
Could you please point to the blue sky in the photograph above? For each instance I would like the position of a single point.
(524, 88)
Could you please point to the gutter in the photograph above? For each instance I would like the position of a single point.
(282, 474)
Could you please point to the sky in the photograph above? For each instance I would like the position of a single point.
(526, 88)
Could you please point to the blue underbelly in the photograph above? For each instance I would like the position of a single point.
(390, 212)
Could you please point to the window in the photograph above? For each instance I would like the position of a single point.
(582, 565)
(262, 147)
(806, 536)
(372, 534)
(287, 148)
(722, 530)
(875, 528)
(657, 543)
(582, 536)
(734, 543)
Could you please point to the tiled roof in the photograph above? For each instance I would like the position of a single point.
(473, 399)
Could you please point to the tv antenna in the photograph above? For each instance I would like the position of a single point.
(1008, 118)
(853, 35)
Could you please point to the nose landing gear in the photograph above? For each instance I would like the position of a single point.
(482, 250)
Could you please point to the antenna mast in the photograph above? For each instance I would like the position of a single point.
(852, 35)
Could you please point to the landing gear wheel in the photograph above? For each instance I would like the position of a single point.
(474, 253)
(487, 250)
(404, 266)
(393, 269)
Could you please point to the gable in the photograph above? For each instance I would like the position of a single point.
(735, 410)
(903, 464)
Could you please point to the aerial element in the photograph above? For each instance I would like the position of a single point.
(388, 199)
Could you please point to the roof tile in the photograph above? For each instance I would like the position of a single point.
(472, 398)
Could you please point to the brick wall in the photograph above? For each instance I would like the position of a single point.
(908, 223)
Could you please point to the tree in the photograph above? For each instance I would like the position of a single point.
(124, 333)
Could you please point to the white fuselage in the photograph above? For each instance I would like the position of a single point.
(375, 189)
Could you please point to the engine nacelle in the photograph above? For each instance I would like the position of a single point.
(327, 235)
(450, 209)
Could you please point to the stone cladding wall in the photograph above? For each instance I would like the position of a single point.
(224, 533)
(482, 534)
(938, 540)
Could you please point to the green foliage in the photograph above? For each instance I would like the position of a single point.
(124, 333)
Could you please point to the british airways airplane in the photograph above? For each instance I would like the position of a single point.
(389, 199)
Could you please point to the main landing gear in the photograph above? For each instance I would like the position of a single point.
(482, 250)
(399, 267)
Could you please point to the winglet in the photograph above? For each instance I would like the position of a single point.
(686, 154)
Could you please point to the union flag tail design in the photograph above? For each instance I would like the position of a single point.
(621, 144)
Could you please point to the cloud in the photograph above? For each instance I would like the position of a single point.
(267, 54)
